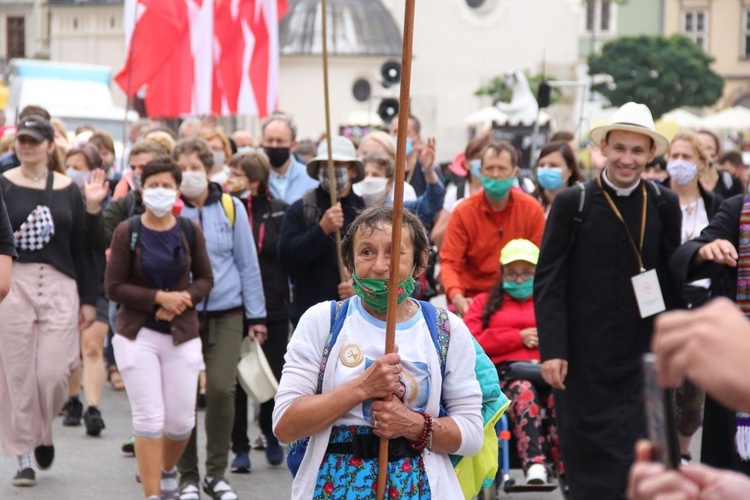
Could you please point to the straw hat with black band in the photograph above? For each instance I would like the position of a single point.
(632, 117)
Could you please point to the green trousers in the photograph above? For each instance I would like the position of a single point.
(221, 338)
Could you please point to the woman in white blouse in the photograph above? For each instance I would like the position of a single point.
(344, 416)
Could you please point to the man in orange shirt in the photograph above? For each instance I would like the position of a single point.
(483, 223)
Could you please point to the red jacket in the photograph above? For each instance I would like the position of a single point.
(501, 340)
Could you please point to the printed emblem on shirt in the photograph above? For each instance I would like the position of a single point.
(416, 379)
(351, 355)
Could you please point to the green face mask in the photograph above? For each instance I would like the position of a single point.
(520, 291)
(374, 291)
(497, 189)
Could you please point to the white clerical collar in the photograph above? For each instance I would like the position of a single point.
(618, 190)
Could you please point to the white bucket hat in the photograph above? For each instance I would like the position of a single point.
(632, 117)
(255, 374)
(342, 150)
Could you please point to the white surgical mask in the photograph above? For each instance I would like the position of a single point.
(372, 189)
(219, 158)
(220, 177)
(79, 177)
(193, 183)
(682, 171)
(159, 201)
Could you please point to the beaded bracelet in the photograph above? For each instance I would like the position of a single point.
(426, 434)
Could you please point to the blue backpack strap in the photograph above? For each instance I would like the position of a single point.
(338, 315)
(440, 330)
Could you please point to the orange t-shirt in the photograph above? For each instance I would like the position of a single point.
(470, 254)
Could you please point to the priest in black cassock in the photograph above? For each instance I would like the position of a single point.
(716, 254)
(594, 321)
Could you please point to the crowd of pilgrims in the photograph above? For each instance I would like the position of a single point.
(98, 267)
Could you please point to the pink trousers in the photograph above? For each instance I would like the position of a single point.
(39, 347)
(161, 380)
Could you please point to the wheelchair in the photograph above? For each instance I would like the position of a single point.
(507, 458)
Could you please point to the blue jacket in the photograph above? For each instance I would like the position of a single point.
(298, 182)
(428, 204)
(234, 259)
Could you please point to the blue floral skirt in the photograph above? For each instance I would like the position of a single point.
(343, 477)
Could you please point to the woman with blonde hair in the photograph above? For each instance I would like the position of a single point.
(687, 160)
(222, 151)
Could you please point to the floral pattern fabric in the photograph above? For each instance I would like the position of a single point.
(529, 428)
(343, 477)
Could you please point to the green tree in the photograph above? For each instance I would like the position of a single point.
(499, 92)
(663, 73)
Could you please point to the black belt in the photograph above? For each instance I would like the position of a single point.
(366, 446)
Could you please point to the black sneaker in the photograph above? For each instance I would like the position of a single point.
(25, 477)
(44, 455)
(73, 412)
(93, 421)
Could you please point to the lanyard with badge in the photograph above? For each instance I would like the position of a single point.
(646, 284)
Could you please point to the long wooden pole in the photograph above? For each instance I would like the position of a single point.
(331, 170)
(398, 207)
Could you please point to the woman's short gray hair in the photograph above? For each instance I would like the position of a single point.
(374, 218)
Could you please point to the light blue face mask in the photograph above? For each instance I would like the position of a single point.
(550, 177)
(409, 144)
(475, 166)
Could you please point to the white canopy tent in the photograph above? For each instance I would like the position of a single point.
(682, 118)
(736, 118)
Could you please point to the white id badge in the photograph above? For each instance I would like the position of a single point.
(648, 293)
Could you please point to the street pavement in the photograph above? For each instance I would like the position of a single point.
(94, 468)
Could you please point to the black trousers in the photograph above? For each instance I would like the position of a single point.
(275, 349)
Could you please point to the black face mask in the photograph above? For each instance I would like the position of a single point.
(277, 156)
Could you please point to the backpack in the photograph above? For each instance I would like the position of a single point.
(135, 225)
(311, 212)
(584, 203)
(227, 203)
(474, 473)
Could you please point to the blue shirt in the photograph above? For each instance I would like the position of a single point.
(293, 184)
(163, 261)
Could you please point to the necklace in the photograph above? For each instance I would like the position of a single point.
(691, 209)
(33, 178)
(408, 311)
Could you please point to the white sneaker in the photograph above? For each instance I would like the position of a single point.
(537, 474)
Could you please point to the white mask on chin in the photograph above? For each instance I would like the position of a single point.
(371, 189)
(159, 201)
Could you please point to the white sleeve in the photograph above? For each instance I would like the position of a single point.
(450, 198)
(461, 394)
(303, 357)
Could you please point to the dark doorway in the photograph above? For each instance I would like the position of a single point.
(16, 41)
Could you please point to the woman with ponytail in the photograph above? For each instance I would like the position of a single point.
(503, 323)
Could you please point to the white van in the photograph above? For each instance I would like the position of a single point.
(75, 93)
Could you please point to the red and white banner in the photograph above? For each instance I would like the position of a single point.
(196, 57)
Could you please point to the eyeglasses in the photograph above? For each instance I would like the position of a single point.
(513, 276)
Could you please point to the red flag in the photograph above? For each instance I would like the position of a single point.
(197, 56)
(159, 56)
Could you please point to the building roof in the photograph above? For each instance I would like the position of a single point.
(355, 27)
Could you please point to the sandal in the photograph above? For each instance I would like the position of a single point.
(115, 379)
(190, 491)
(218, 489)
